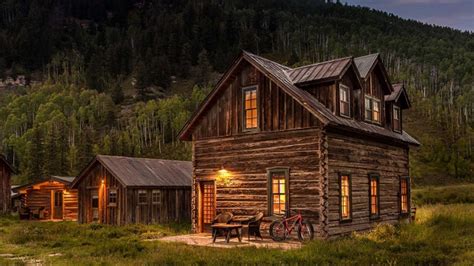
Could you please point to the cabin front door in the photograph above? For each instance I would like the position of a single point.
(57, 204)
(95, 204)
(208, 204)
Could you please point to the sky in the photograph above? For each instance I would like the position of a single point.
(458, 14)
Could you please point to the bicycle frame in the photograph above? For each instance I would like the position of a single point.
(296, 219)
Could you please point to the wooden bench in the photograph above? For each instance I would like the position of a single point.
(227, 229)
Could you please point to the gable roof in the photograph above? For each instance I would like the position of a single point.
(399, 93)
(365, 63)
(143, 172)
(66, 180)
(4, 160)
(281, 75)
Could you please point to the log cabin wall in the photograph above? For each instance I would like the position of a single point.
(40, 196)
(247, 158)
(5, 188)
(360, 157)
(174, 204)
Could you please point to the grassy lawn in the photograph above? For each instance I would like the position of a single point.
(442, 234)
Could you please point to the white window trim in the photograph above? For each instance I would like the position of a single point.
(371, 108)
(348, 91)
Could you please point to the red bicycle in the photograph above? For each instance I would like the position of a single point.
(282, 228)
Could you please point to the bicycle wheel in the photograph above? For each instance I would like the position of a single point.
(277, 231)
(305, 231)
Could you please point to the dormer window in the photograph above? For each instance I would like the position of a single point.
(250, 114)
(372, 109)
(344, 101)
(397, 125)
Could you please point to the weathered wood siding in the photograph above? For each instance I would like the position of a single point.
(40, 196)
(5, 188)
(276, 109)
(247, 158)
(175, 204)
(361, 157)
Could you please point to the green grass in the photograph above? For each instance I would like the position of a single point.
(444, 195)
(442, 234)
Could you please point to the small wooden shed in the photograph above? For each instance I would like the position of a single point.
(6, 171)
(121, 190)
(49, 199)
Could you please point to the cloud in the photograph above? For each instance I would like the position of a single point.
(451, 13)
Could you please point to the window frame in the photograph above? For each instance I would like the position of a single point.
(400, 195)
(286, 172)
(341, 218)
(244, 111)
(142, 191)
(372, 99)
(109, 191)
(348, 92)
(153, 202)
(376, 177)
(398, 110)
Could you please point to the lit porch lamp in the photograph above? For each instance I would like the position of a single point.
(223, 177)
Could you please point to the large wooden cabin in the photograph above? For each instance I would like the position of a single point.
(6, 171)
(325, 140)
(123, 190)
(49, 199)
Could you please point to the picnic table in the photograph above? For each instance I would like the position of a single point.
(227, 229)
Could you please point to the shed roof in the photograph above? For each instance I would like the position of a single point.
(144, 172)
(281, 75)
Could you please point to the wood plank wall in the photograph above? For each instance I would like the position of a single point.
(247, 158)
(277, 110)
(360, 158)
(5, 188)
(175, 204)
(40, 196)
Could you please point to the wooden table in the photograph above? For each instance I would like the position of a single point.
(227, 229)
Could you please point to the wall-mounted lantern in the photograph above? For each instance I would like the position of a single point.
(223, 177)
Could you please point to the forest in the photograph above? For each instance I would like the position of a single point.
(122, 76)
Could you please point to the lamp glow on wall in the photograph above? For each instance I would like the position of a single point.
(223, 177)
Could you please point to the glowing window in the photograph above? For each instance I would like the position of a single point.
(250, 108)
(278, 192)
(404, 204)
(374, 196)
(345, 193)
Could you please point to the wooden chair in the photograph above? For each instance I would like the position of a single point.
(223, 218)
(254, 226)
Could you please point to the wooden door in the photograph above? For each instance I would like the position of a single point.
(208, 204)
(58, 204)
(95, 204)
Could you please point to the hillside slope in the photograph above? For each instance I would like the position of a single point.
(112, 69)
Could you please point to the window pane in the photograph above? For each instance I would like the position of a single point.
(345, 197)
